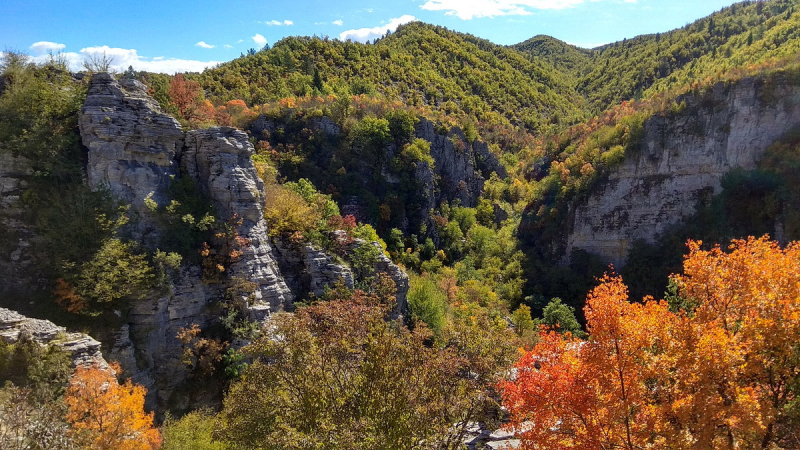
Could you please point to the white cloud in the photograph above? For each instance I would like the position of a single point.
(121, 58)
(469, 9)
(277, 23)
(228, 46)
(338, 22)
(43, 47)
(259, 40)
(367, 34)
(203, 44)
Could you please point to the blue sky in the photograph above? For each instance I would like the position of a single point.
(168, 36)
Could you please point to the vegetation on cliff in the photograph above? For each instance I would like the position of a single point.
(359, 141)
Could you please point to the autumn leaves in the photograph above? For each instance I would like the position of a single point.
(104, 414)
(720, 372)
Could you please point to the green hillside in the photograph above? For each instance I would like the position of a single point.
(419, 64)
(743, 34)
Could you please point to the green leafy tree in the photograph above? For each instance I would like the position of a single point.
(560, 317)
(341, 376)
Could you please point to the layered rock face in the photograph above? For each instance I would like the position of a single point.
(309, 270)
(219, 159)
(82, 348)
(456, 166)
(134, 151)
(133, 145)
(682, 160)
(15, 261)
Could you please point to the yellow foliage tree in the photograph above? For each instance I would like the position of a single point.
(721, 371)
(105, 415)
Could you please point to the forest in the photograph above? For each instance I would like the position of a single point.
(420, 196)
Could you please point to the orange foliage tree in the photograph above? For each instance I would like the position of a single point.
(722, 372)
(106, 415)
(187, 96)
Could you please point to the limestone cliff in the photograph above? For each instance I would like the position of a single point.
(15, 240)
(83, 349)
(219, 160)
(462, 166)
(682, 160)
(135, 150)
(133, 146)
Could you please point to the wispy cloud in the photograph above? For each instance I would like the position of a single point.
(367, 34)
(202, 44)
(277, 23)
(338, 22)
(259, 40)
(469, 9)
(228, 46)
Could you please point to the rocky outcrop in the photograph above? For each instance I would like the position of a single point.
(83, 350)
(682, 159)
(147, 346)
(133, 146)
(308, 269)
(219, 160)
(461, 166)
(135, 150)
(15, 240)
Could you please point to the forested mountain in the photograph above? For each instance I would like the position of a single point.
(419, 64)
(738, 36)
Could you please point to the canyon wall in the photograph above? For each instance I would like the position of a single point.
(682, 159)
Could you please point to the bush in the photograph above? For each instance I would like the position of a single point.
(192, 431)
(427, 303)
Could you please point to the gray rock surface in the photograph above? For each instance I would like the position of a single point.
(147, 346)
(15, 240)
(682, 160)
(133, 146)
(308, 270)
(455, 163)
(134, 151)
(219, 160)
(82, 348)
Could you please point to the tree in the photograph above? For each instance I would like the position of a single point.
(99, 63)
(187, 96)
(722, 373)
(192, 431)
(560, 317)
(106, 415)
(338, 375)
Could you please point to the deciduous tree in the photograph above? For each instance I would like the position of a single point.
(107, 415)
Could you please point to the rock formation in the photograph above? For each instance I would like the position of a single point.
(133, 146)
(15, 240)
(309, 270)
(135, 150)
(462, 166)
(82, 348)
(682, 159)
(219, 160)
